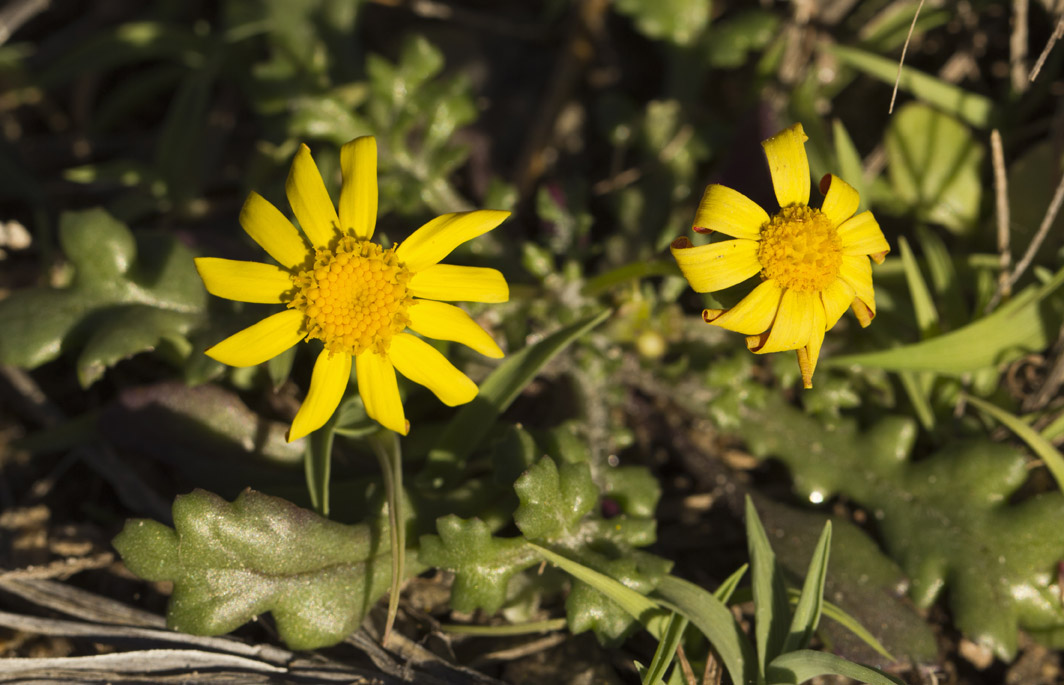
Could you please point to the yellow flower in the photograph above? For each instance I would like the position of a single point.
(355, 296)
(813, 263)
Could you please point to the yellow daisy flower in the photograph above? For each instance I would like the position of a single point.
(813, 263)
(356, 297)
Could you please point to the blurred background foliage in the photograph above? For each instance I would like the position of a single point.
(130, 134)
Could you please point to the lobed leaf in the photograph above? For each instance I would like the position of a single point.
(230, 562)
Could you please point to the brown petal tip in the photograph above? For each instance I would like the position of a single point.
(863, 313)
(701, 229)
(825, 183)
(681, 243)
(878, 257)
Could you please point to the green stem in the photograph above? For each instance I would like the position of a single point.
(386, 446)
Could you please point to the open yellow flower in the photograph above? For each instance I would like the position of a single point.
(356, 297)
(813, 263)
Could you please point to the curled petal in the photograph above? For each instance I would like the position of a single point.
(465, 283)
(717, 265)
(327, 384)
(840, 199)
(310, 200)
(273, 232)
(444, 321)
(358, 194)
(810, 354)
(436, 239)
(862, 312)
(243, 281)
(789, 166)
(380, 391)
(754, 313)
(729, 212)
(791, 329)
(861, 235)
(857, 272)
(423, 364)
(260, 342)
(836, 299)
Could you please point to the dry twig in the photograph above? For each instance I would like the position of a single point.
(1058, 33)
(1001, 197)
(904, 49)
(1018, 46)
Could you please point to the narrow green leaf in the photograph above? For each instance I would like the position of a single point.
(638, 606)
(953, 310)
(850, 168)
(923, 304)
(727, 588)
(910, 381)
(976, 109)
(465, 431)
(1028, 323)
(715, 621)
(666, 650)
(811, 600)
(1052, 457)
(798, 667)
(772, 612)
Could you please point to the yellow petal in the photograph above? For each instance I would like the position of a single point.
(791, 329)
(436, 239)
(358, 195)
(862, 312)
(810, 354)
(857, 272)
(717, 265)
(467, 283)
(444, 321)
(262, 341)
(310, 200)
(273, 232)
(243, 281)
(753, 314)
(729, 212)
(861, 235)
(840, 199)
(788, 165)
(425, 365)
(836, 299)
(380, 391)
(327, 384)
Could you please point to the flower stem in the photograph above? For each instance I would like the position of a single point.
(386, 446)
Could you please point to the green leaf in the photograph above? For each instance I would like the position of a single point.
(811, 601)
(734, 38)
(946, 519)
(1052, 457)
(803, 665)
(232, 562)
(1032, 181)
(666, 650)
(466, 430)
(677, 21)
(317, 464)
(1027, 323)
(772, 612)
(727, 588)
(975, 109)
(125, 297)
(923, 305)
(715, 620)
(934, 165)
(553, 502)
(851, 169)
(587, 608)
(483, 565)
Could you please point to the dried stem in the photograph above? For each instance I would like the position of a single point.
(1058, 33)
(1001, 196)
(1018, 46)
(901, 62)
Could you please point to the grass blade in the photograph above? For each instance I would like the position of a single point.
(1052, 457)
(727, 588)
(772, 612)
(923, 304)
(666, 650)
(811, 601)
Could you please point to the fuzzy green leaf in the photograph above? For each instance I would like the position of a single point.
(946, 519)
(126, 296)
(553, 501)
(677, 21)
(483, 565)
(230, 562)
(588, 608)
(935, 167)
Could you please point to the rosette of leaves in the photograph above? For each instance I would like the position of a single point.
(126, 295)
(559, 509)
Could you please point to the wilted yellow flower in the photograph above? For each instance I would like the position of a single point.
(356, 297)
(813, 263)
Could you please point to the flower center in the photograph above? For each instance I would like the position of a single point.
(354, 296)
(800, 249)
